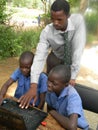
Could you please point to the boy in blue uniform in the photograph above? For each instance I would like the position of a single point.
(64, 103)
(22, 75)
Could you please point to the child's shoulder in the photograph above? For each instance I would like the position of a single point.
(72, 90)
(16, 74)
(43, 74)
(17, 71)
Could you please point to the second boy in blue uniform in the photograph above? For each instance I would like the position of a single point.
(64, 103)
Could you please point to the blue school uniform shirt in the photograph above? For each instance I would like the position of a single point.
(67, 103)
(23, 84)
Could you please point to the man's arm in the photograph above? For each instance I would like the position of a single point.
(78, 44)
(36, 69)
(40, 56)
(69, 123)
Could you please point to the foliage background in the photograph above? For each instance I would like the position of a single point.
(14, 41)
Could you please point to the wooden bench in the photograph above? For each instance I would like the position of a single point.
(89, 98)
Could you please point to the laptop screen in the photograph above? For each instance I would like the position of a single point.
(15, 118)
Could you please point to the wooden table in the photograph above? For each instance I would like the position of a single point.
(51, 123)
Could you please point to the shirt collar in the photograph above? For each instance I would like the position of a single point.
(64, 92)
(70, 27)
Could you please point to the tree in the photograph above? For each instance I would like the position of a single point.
(83, 6)
(45, 4)
(3, 15)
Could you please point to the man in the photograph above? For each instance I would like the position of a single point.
(52, 37)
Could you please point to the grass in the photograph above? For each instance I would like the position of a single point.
(91, 38)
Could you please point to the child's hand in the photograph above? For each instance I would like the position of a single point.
(26, 98)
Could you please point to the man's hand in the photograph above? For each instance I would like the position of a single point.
(26, 98)
(72, 82)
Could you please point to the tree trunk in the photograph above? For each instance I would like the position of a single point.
(83, 6)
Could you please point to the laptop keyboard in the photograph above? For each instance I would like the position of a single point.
(32, 116)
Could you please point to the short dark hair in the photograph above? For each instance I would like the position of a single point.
(59, 5)
(62, 70)
(27, 55)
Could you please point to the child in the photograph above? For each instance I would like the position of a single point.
(22, 75)
(63, 101)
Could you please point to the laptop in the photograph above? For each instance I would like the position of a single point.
(12, 117)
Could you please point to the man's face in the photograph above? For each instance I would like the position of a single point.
(59, 19)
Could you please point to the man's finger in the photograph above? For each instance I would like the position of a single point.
(34, 101)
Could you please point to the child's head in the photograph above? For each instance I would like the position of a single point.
(58, 78)
(25, 62)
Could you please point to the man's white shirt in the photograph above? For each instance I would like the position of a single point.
(51, 38)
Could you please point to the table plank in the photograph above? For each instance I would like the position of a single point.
(51, 124)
